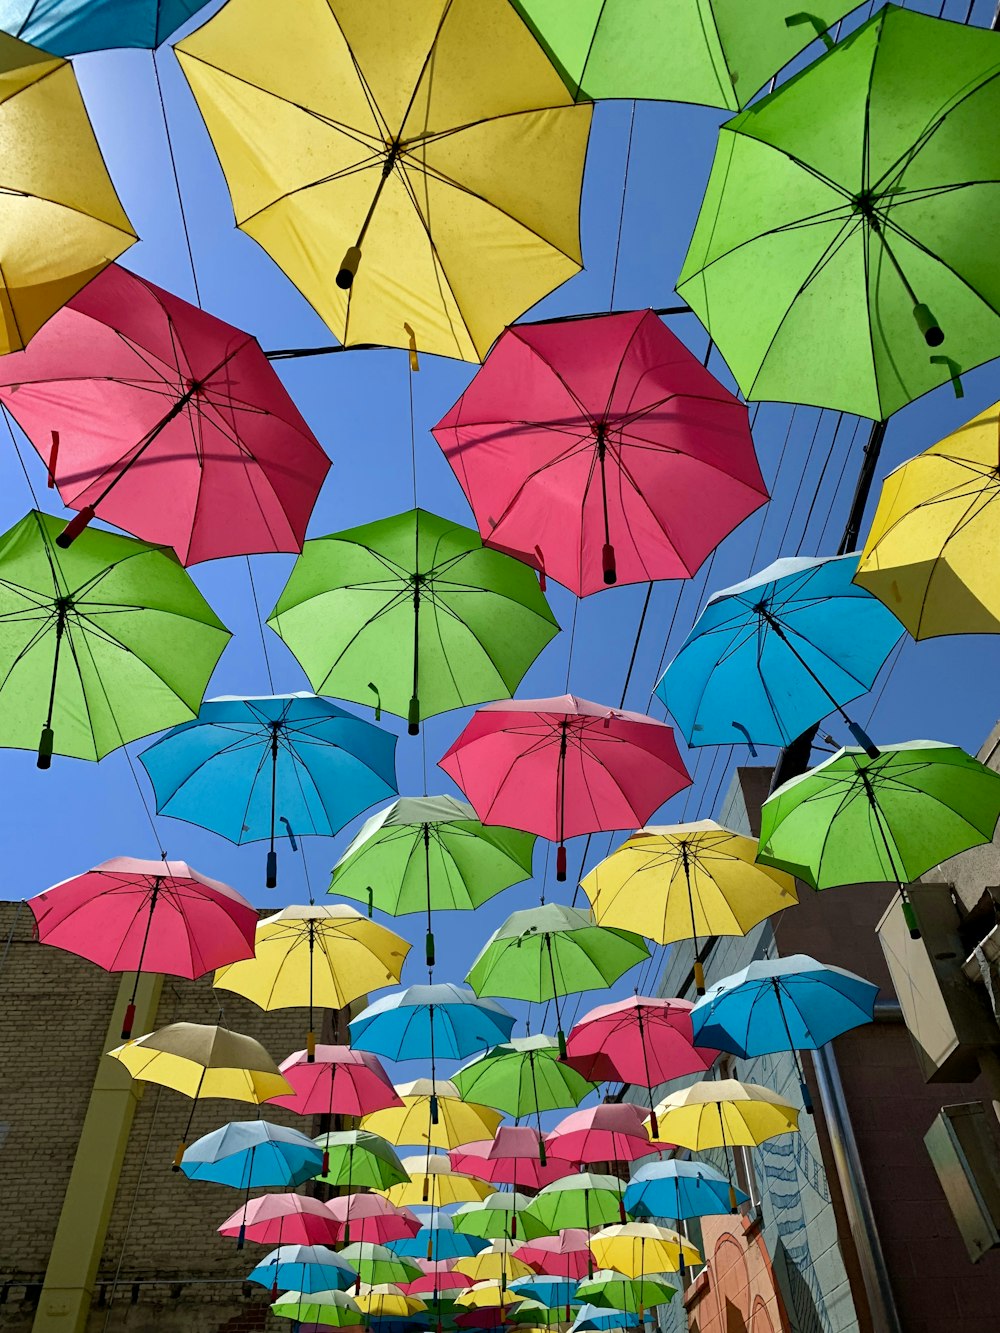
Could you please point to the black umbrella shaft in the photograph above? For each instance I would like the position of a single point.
(776, 626)
(145, 939)
(61, 609)
(563, 746)
(602, 450)
(877, 813)
(312, 950)
(686, 862)
(274, 775)
(784, 1023)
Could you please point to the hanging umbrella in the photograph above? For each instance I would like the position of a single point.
(326, 956)
(831, 215)
(159, 916)
(384, 1300)
(783, 1004)
(769, 657)
(707, 52)
(245, 763)
(330, 1309)
(514, 1156)
(432, 1180)
(200, 1060)
(929, 554)
(594, 1319)
(277, 1219)
(63, 222)
(432, 1113)
(354, 1159)
(684, 881)
(437, 1242)
(530, 1314)
(252, 1154)
(852, 820)
(423, 852)
(495, 1264)
(370, 1217)
(610, 1290)
(564, 766)
(437, 1282)
(552, 1292)
(102, 644)
(338, 1080)
(523, 1076)
(564, 1255)
(609, 1132)
(70, 27)
(602, 451)
(305, 1268)
(584, 1200)
(678, 1189)
(412, 614)
(497, 1217)
(638, 1248)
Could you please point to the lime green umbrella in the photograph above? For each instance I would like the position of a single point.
(714, 52)
(100, 644)
(536, 1315)
(853, 820)
(614, 1291)
(523, 1076)
(838, 257)
(375, 1264)
(358, 1160)
(426, 852)
(587, 1199)
(544, 952)
(499, 1216)
(412, 614)
(334, 1309)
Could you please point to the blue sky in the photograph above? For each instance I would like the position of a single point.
(57, 823)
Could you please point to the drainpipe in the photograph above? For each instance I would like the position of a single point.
(853, 1186)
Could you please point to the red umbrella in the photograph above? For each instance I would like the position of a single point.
(640, 1040)
(565, 1255)
(434, 1281)
(166, 421)
(370, 1217)
(155, 916)
(282, 1219)
(512, 1157)
(340, 1081)
(564, 766)
(611, 1132)
(602, 451)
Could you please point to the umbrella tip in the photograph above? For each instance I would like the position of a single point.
(45, 746)
(271, 873)
(608, 564)
(76, 525)
(349, 268)
(928, 325)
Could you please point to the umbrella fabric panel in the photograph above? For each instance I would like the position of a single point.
(70, 27)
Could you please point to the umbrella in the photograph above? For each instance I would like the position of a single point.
(522, 1076)
(423, 852)
(326, 956)
(432, 1180)
(102, 644)
(375, 1264)
(338, 1080)
(200, 1060)
(594, 1319)
(610, 1290)
(246, 762)
(641, 1040)
(331, 1309)
(70, 27)
(687, 880)
(552, 1292)
(436, 1281)
(485, 1295)
(609, 1132)
(412, 614)
(437, 1242)
(709, 53)
(355, 1159)
(514, 1156)
(384, 1300)
(585, 1200)
(305, 1268)
(534, 1314)
(412, 152)
(63, 222)
(680, 1190)
(107, 915)
(564, 1255)
(252, 1154)
(564, 766)
(929, 554)
(274, 1219)
(370, 1217)
(783, 1004)
(432, 1113)
(602, 451)
(830, 214)
(498, 1216)
(769, 657)
(638, 1248)
(852, 820)
(165, 421)
(496, 1264)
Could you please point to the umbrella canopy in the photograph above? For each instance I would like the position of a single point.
(610, 1132)
(495, 1264)
(370, 1217)
(282, 1219)
(552, 1292)
(522, 1076)
(439, 1280)
(160, 916)
(687, 880)
(610, 1290)
(305, 1268)
(252, 1154)
(594, 1319)
(929, 553)
(63, 222)
(384, 1300)
(584, 1200)
(724, 1113)
(602, 451)
(769, 657)
(564, 766)
(433, 1181)
(432, 1113)
(678, 1189)
(638, 1248)
(337, 1080)
(70, 27)
(533, 1314)
(438, 1242)
(441, 1021)
(103, 643)
(331, 1309)
(514, 1156)
(486, 1294)
(564, 1255)
(245, 763)
(412, 614)
(354, 1159)
(423, 852)
(830, 211)
(710, 52)
(413, 153)
(498, 1216)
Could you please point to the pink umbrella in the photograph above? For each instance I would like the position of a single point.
(282, 1219)
(641, 1040)
(370, 1217)
(512, 1157)
(611, 1132)
(602, 451)
(564, 766)
(166, 421)
(159, 916)
(437, 1282)
(341, 1081)
(566, 1255)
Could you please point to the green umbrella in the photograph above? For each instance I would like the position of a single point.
(535, 1314)
(523, 1076)
(614, 1291)
(499, 1216)
(852, 820)
(99, 644)
(359, 1160)
(714, 52)
(425, 852)
(544, 952)
(413, 614)
(586, 1200)
(335, 1309)
(840, 241)
(375, 1264)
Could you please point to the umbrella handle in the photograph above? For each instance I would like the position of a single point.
(699, 976)
(242, 1237)
(927, 324)
(271, 872)
(863, 739)
(348, 268)
(561, 863)
(608, 563)
(128, 1021)
(807, 1101)
(413, 717)
(53, 458)
(326, 1162)
(910, 917)
(176, 1164)
(45, 747)
(430, 948)
(311, 1048)
(74, 527)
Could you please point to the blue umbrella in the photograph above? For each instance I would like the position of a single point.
(548, 1291)
(437, 1241)
(782, 1004)
(253, 1154)
(306, 1268)
(592, 1319)
(68, 27)
(244, 764)
(677, 1189)
(769, 657)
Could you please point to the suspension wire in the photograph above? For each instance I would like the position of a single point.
(131, 1212)
(10, 936)
(177, 179)
(621, 210)
(260, 625)
(819, 482)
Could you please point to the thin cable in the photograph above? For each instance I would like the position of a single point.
(17, 450)
(819, 483)
(260, 626)
(10, 937)
(621, 210)
(840, 481)
(572, 639)
(177, 181)
(635, 645)
(131, 1211)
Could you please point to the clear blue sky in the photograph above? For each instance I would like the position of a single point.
(57, 823)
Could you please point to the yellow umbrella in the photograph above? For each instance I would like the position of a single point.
(386, 1301)
(433, 1182)
(307, 956)
(433, 1113)
(497, 1263)
(61, 222)
(489, 1294)
(433, 135)
(638, 1248)
(682, 881)
(932, 551)
(201, 1060)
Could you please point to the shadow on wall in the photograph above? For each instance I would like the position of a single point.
(805, 1314)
